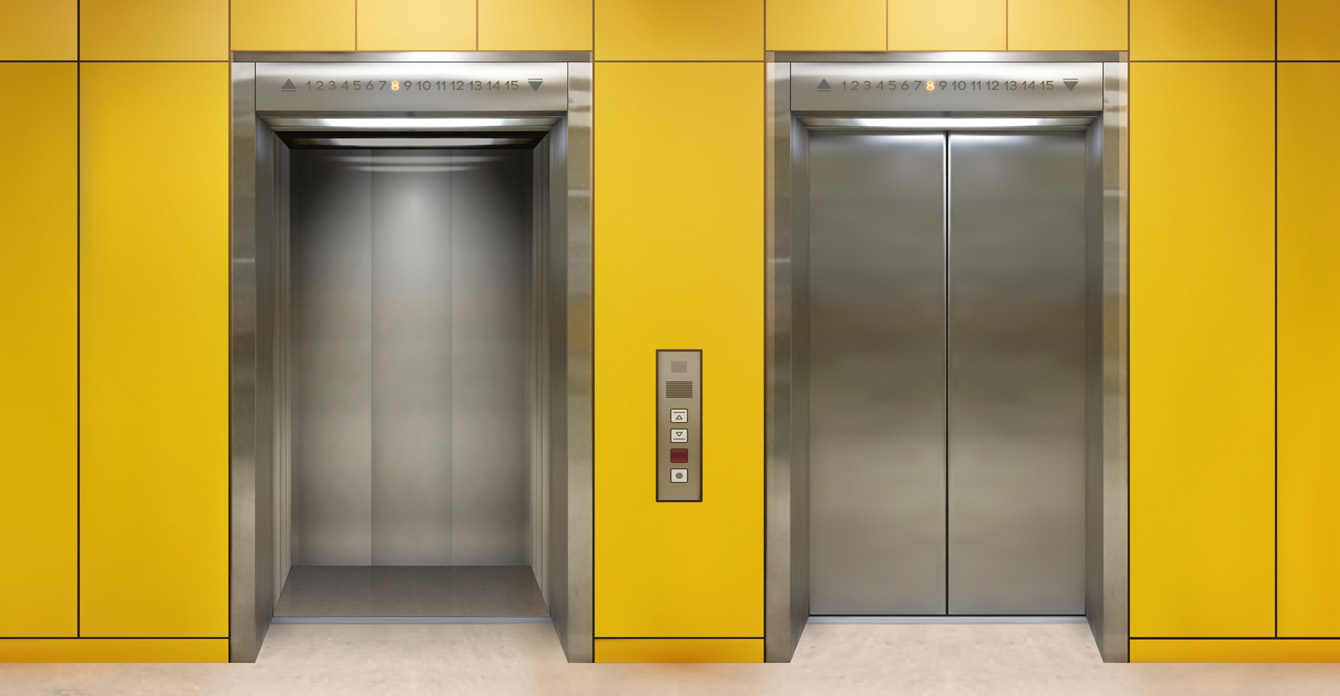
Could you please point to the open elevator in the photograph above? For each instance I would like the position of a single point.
(411, 342)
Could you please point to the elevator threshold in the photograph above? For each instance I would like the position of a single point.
(410, 594)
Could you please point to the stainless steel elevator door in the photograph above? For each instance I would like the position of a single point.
(411, 286)
(877, 371)
(1016, 373)
(946, 373)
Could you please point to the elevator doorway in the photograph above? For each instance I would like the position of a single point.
(411, 301)
(947, 373)
(410, 342)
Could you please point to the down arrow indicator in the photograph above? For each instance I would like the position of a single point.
(535, 84)
(1070, 84)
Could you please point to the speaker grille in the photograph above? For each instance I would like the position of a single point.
(679, 389)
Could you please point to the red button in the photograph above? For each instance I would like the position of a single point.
(679, 455)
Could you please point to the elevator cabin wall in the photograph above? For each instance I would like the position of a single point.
(947, 367)
(411, 310)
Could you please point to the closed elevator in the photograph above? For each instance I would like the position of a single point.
(410, 366)
(946, 419)
(947, 373)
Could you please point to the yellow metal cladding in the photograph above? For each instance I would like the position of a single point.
(836, 25)
(1309, 29)
(534, 25)
(153, 316)
(38, 300)
(293, 25)
(1202, 399)
(679, 650)
(678, 245)
(153, 30)
(111, 650)
(1067, 25)
(679, 30)
(46, 30)
(947, 25)
(1235, 651)
(1203, 30)
(416, 25)
(1309, 344)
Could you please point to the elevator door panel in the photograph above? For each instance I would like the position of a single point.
(877, 371)
(1016, 373)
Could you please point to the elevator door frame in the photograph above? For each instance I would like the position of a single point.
(786, 390)
(562, 218)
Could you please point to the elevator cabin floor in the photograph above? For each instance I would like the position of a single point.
(405, 591)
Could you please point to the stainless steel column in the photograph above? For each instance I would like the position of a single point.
(877, 374)
(1016, 373)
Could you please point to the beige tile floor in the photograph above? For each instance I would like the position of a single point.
(999, 660)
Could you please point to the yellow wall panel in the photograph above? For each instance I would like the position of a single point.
(38, 301)
(947, 25)
(46, 30)
(1067, 25)
(831, 25)
(1235, 651)
(534, 25)
(416, 25)
(678, 252)
(1309, 29)
(1202, 30)
(293, 25)
(1309, 344)
(679, 650)
(679, 30)
(153, 30)
(1202, 351)
(153, 358)
(111, 650)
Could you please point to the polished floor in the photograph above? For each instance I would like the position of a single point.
(411, 591)
(501, 659)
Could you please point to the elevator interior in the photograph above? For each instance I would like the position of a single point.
(410, 344)
(946, 366)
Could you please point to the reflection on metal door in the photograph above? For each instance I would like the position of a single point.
(947, 373)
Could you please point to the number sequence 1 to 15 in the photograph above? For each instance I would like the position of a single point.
(414, 85)
(949, 85)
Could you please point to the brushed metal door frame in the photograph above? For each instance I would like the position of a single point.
(259, 345)
(787, 342)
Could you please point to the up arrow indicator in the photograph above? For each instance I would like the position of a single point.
(535, 84)
(824, 86)
(1070, 84)
(288, 86)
